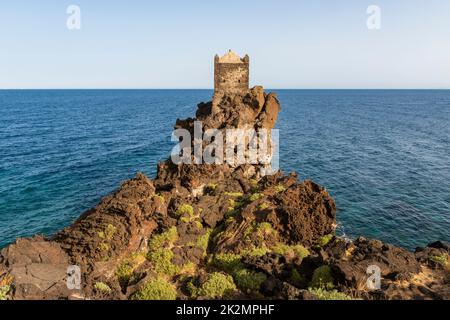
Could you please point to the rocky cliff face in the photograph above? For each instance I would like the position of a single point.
(218, 231)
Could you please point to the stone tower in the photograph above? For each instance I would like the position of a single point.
(231, 74)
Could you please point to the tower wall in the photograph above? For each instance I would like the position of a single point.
(231, 76)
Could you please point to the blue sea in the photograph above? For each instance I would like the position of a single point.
(383, 155)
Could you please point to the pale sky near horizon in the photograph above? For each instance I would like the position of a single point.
(171, 44)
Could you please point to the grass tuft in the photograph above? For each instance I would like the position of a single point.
(442, 259)
(280, 188)
(185, 209)
(4, 292)
(255, 197)
(156, 289)
(218, 285)
(102, 287)
(323, 241)
(249, 281)
(323, 294)
(322, 278)
(203, 241)
(228, 262)
(164, 239)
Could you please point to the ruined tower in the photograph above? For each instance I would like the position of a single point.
(231, 74)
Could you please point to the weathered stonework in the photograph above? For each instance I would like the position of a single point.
(231, 74)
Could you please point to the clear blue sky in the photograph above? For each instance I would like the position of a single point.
(171, 44)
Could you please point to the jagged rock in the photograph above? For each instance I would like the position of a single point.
(255, 110)
(280, 290)
(38, 268)
(306, 212)
(213, 208)
(435, 255)
(440, 245)
(272, 264)
(350, 260)
(120, 224)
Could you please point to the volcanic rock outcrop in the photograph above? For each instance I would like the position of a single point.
(218, 232)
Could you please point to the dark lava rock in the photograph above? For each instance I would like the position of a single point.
(350, 261)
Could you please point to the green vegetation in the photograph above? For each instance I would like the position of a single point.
(260, 230)
(232, 210)
(211, 188)
(228, 262)
(264, 228)
(323, 241)
(198, 224)
(300, 251)
(442, 259)
(245, 279)
(296, 277)
(161, 260)
(249, 231)
(102, 287)
(230, 220)
(218, 285)
(323, 294)
(188, 268)
(249, 281)
(322, 278)
(282, 249)
(156, 289)
(107, 235)
(164, 239)
(263, 206)
(190, 244)
(108, 232)
(254, 185)
(192, 288)
(234, 194)
(188, 219)
(4, 290)
(160, 253)
(124, 272)
(185, 209)
(104, 246)
(280, 188)
(203, 241)
(185, 219)
(216, 234)
(255, 197)
(256, 252)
